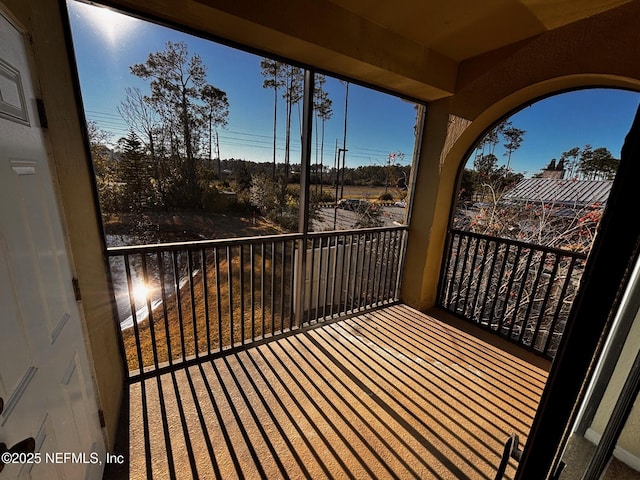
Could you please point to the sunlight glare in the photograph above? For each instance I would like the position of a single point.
(140, 292)
(113, 26)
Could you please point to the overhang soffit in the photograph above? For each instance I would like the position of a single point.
(317, 29)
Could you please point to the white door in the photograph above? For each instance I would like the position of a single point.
(45, 379)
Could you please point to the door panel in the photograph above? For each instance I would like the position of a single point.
(45, 375)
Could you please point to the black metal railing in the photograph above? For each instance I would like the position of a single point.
(521, 291)
(180, 302)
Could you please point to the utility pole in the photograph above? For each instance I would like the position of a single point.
(336, 167)
(218, 154)
(344, 152)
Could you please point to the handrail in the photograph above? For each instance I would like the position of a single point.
(198, 244)
(223, 242)
(520, 243)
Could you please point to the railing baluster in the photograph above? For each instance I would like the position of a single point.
(471, 276)
(395, 265)
(532, 299)
(384, 266)
(507, 294)
(262, 289)
(498, 283)
(134, 316)
(230, 288)
(377, 272)
(347, 277)
(216, 253)
(363, 273)
(461, 275)
(311, 267)
(559, 306)
(523, 285)
(319, 280)
(273, 286)
(291, 282)
(190, 272)
(486, 291)
(355, 272)
(547, 295)
(205, 296)
(371, 279)
(252, 253)
(483, 255)
(147, 299)
(327, 279)
(387, 253)
(282, 282)
(241, 247)
(165, 313)
(335, 271)
(393, 257)
(453, 275)
(176, 289)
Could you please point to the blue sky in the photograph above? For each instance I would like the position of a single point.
(599, 117)
(378, 124)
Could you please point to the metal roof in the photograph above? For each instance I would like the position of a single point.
(561, 192)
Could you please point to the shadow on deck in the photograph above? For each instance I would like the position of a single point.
(393, 393)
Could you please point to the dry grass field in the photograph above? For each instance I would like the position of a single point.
(195, 324)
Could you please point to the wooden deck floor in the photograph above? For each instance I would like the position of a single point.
(390, 394)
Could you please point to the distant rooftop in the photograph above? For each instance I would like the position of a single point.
(561, 192)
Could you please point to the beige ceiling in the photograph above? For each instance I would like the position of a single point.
(461, 29)
(413, 47)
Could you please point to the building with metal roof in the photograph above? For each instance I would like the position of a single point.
(561, 192)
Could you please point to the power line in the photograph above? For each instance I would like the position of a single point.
(236, 138)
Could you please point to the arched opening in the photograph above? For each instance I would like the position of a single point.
(531, 194)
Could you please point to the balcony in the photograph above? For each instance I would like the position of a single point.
(225, 383)
(391, 393)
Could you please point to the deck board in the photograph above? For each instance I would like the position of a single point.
(393, 393)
